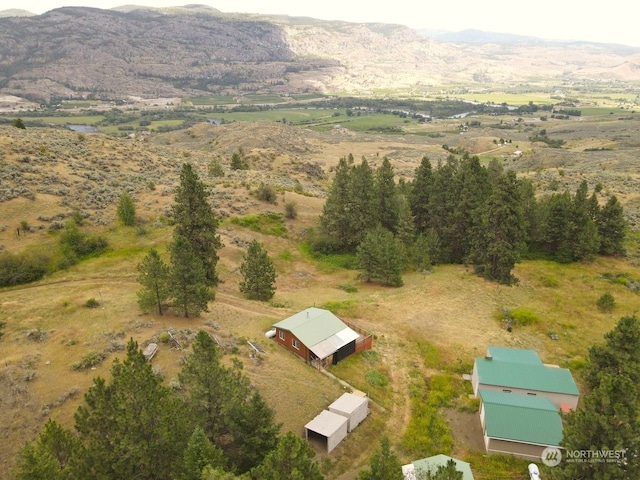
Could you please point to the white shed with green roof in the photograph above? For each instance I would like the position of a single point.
(519, 425)
(522, 372)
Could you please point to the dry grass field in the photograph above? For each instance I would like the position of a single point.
(435, 323)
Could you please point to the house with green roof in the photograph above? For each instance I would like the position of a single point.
(418, 468)
(319, 337)
(519, 425)
(519, 371)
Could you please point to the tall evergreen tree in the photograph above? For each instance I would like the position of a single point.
(383, 464)
(196, 222)
(557, 226)
(531, 213)
(442, 205)
(387, 196)
(293, 459)
(188, 282)
(50, 456)
(258, 273)
(154, 278)
(612, 228)
(233, 417)
(255, 432)
(419, 199)
(608, 415)
(336, 220)
(473, 188)
(380, 258)
(500, 247)
(620, 354)
(199, 454)
(362, 204)
(126, 209)
(584, 233)
(406, 231)
(131, 426)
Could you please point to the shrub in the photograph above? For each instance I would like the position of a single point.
(347, 287)
(16, 269)
(606, 302)
(290, 210)
(524, 316)
(91, 359)
(376, 378)
(266, 193)
(215, 169)
(91, 303)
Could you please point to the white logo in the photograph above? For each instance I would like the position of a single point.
(551, 456)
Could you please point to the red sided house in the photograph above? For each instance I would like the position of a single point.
(319, 337)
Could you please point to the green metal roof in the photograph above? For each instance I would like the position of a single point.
(432, 464)
(521, 418)
(312, 325)
(526, 376)
(514, 355)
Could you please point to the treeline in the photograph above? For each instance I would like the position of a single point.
(211, 424)
(459, 213)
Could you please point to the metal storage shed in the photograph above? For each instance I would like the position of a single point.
(354, 407)
(331, 426)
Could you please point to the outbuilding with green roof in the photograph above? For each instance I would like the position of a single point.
(519, 425)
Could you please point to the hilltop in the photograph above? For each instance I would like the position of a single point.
(76, 52)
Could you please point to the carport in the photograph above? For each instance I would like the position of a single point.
(328, 426)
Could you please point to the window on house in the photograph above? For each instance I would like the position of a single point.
(531, 393)
(506, 391)
(281, 335)
(295, 344)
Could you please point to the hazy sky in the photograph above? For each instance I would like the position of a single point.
(614, 21)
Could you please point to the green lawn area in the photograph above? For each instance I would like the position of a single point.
(595, 111)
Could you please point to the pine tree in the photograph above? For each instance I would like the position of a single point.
(362, 203)
(379, 257)
(387, 197)
(154, 278)
(196, 222)
(442, 204)
(496, 252)
(406, 234)
(199, 453)
(473, 188)
(188, 288)
(420, 193)
(586, 241)
(50, 456)
(293, 459)
(383, 464)
(254, 432)
(608, 415)
(612, 228)
(557, 227)
(126, 209)
(233, 417)
(131, 426)
(336, 220)
(258, 273)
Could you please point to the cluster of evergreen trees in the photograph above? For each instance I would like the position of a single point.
(459, 212)
(134, 427)
(185, 285)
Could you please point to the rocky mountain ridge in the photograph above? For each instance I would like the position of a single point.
(75, 52)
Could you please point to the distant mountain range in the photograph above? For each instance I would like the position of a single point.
(197, 50)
